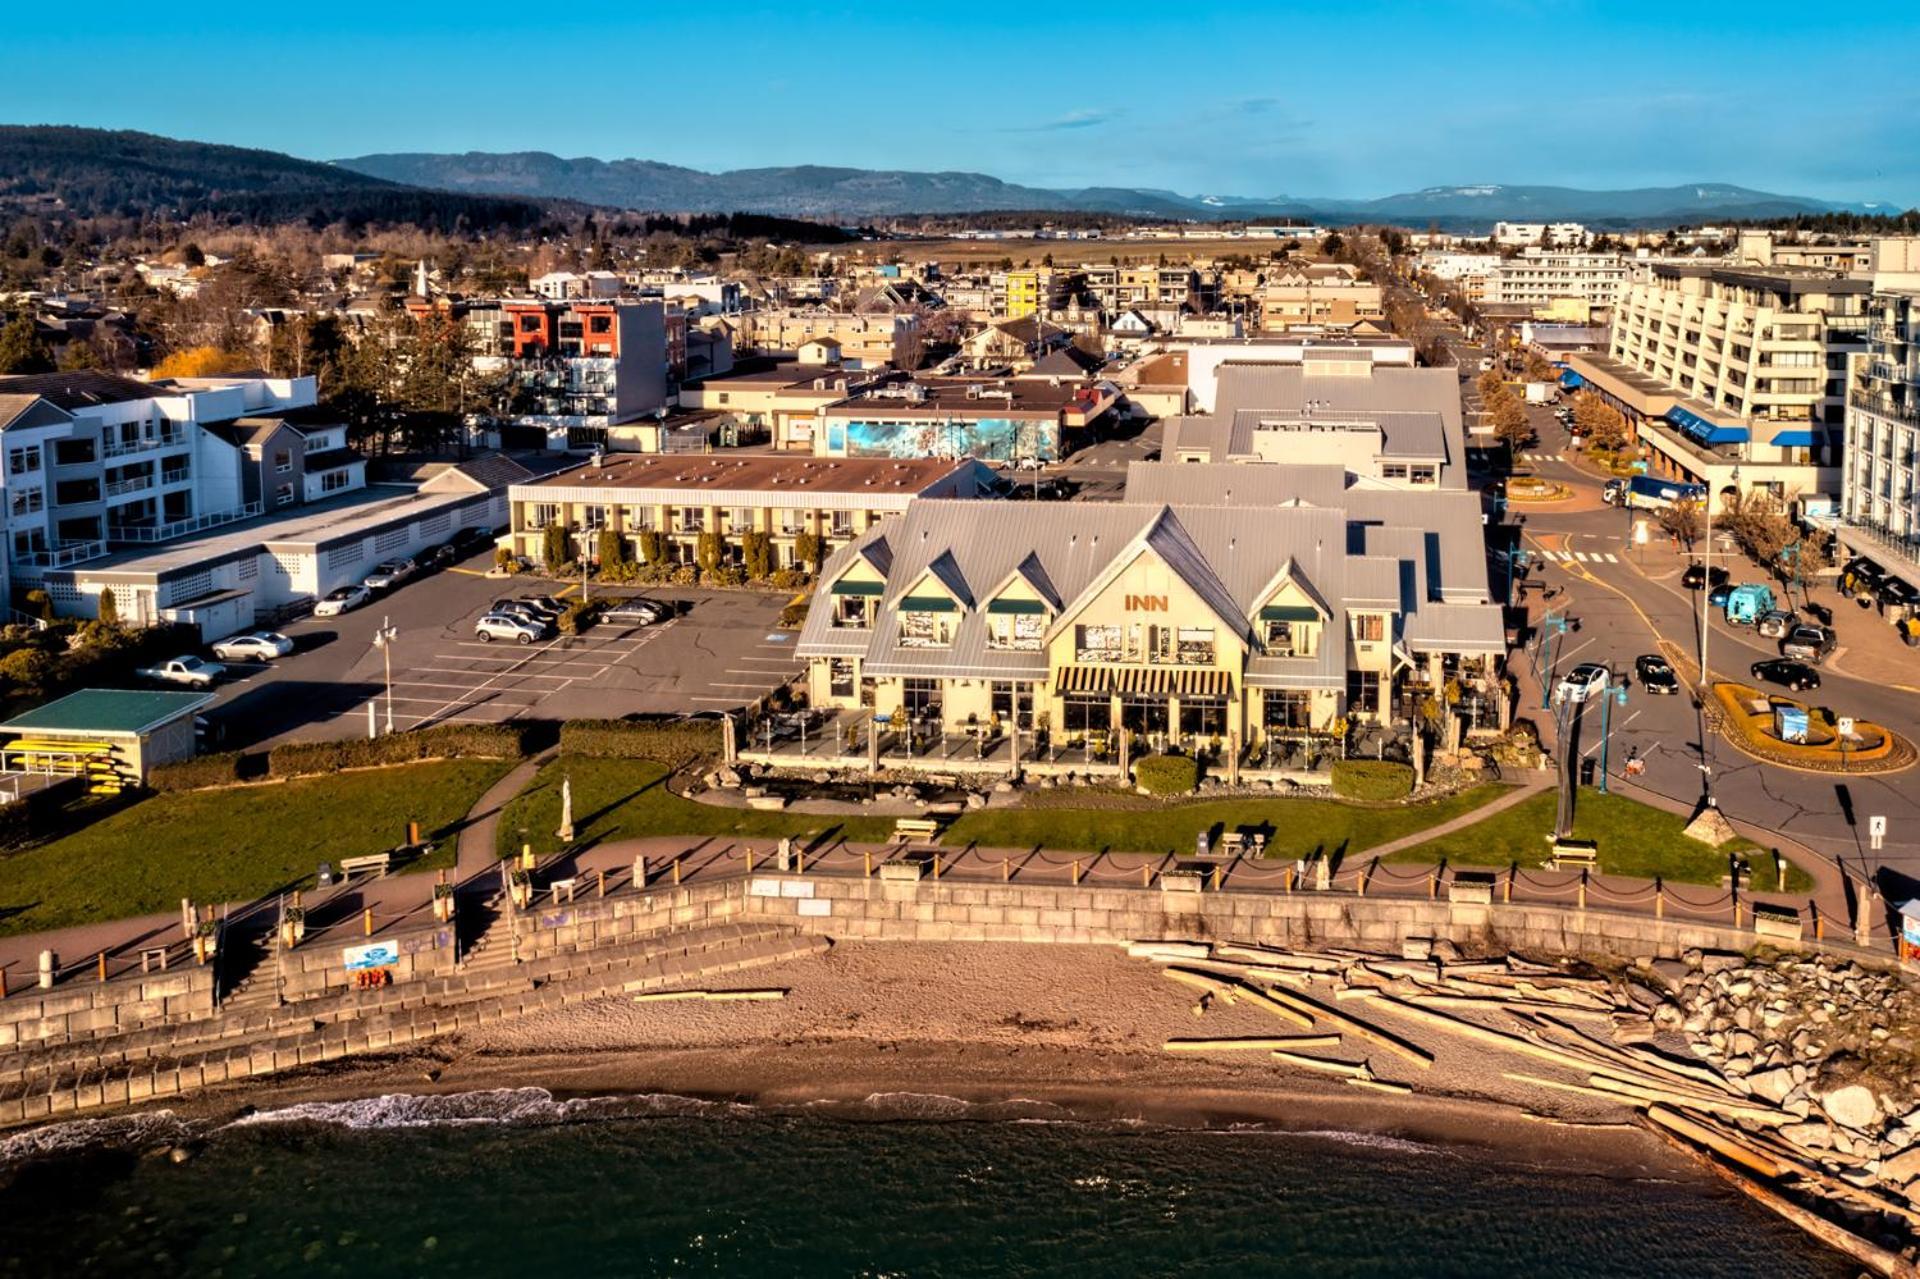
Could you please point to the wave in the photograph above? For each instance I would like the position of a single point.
(524, 1106)
(143, 1129)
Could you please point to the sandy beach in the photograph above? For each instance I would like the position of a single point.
(880, 1030)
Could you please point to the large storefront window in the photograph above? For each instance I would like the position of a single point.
(1097, 644)
(1194, 646)
(1363, 692)
(920, 697)
(1203, 716)
(1287, 710)
(1144, 714)
(840, 677)
(1013, 703)
(1087, 713)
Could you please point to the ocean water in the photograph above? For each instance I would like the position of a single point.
(515, 1183)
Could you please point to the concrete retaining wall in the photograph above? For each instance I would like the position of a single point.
(78, 1009)
(590, 921)
(318, 966)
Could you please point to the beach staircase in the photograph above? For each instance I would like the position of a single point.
(492, 951)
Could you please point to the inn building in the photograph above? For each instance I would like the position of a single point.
(1217, 609)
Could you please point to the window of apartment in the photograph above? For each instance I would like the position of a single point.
(851, 610)
(1369, 626)
(692, 519)
(843, 524)
(333, 481)
(29, 501)
(725, 396)
(24, 460)
(739, 518)
(1393, 470)
(29, 540)
(541, 514)
(593, 517)
(76, 492)
(283, 495)
(1097, 644)
(600, 324)
(791, 522)
(529, 324)
(1289, 639)
(1423, 474)
(1363, 692)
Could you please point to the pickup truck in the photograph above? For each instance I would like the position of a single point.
(195, 671)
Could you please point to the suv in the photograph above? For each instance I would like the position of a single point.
(1775, 623)
(506, 626)
(1808, 643)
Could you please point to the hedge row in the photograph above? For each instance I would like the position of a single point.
(442, 741)
(222, 769)
(1372, 780)
(1167, 774)
(677, 744)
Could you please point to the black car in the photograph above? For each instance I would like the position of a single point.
(1797, 676)
(1699, 575)
(1656, 674)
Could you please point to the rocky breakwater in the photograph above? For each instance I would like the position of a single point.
(1830, 1048)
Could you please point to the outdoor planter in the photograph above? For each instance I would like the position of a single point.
(443, 902)
(293, 927)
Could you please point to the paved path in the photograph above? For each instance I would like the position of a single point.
(478, 846)
(1531, 785)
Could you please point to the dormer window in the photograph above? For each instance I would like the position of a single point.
(1016, 624)
(926, 621)
(854, 602)
(1289, 630)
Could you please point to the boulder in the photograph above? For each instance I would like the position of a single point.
(1902, 1168)
(1774, 1085)
(975, 800)
(1718, 961)
(1809, 1136)
(1445, 951)
(1852, 1106)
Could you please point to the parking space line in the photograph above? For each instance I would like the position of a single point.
(723, 701)
(720, 683)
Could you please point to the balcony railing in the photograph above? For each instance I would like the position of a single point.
(63, 556)
(180, 528)
(120, 488)
(1884, 406)
(121, 448)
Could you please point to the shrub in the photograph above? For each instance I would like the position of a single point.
(556, 547)
(809, 549)
(1167, 774)
(727, 575)
(505, 560)
(109, 606)
(794, 615)
(442, 741)
(1372, 780)
(676, 743)
(221, 769)
(684, 575)
(651, 549)
(789, 579)
(579, 615)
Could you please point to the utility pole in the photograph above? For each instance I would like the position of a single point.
(383, 640)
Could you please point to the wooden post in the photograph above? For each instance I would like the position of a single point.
(600, 883)
(1076, 872)
(3, 981)
(799, 861)
(1506, 898)
(1583, 888)
(1819, 934)
(526, 857)
(640, 869)
(676, 872)
(1146, 874)
(1006, 870)
(1288, 881)
(1360, 884)
(186, 917)
(1736, 910)
(47, 964)
(1433, 884)
(1659, 898)
(368, 921)
(1216, 877)
(936, 866)
(103, 966)
(413, 834)
(868, 856)
(749, 861)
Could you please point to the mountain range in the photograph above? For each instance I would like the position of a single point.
(96, 172)
(815, 191)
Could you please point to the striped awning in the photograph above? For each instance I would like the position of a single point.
(1174, 681)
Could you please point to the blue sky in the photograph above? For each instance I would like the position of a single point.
(1202, 96)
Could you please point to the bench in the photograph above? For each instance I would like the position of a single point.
(915, 830)
(377, 863)
(1575, 854)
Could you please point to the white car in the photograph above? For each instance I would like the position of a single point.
(260, 646)
(506, 626)
(1584, 681)
(388, 574)
(344, 600)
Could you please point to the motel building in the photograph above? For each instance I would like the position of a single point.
(1002, 637)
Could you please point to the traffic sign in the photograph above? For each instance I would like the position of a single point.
(1876, 831)
(1844, 726)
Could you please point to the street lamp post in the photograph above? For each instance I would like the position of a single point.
(383, 640)
(1551, 628)
(1608, 697)
(1706, 584)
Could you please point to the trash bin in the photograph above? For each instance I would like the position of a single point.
(1587, 770)
(324, 875)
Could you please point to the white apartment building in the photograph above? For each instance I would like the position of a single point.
(1540, 276)
(1561, 234)
(1880, 492)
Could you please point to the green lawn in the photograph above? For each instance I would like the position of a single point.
(1294, 827)
(1633, 839)
(627, 799)
(624, 799)
(235, 844)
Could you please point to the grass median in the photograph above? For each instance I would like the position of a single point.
(1632, 838)
(235, 843)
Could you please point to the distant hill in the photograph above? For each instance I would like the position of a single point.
(104, 173)
(814, 191)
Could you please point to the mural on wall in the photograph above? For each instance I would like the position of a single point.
(988, 439)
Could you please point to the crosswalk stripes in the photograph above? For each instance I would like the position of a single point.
(1578, 557)
(1542, 457)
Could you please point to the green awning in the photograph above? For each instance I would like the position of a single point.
(926, 604)
(844, 587)
(1289, 613)
(1016, 606)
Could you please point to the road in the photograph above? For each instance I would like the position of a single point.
(1628, 600)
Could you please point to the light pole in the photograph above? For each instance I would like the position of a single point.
(1608, 697)
(383, 640)
(1706, 587)
(1551, 628)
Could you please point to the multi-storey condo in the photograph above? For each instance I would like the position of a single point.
(1880, 492)
(1540, 276)
(575, 368)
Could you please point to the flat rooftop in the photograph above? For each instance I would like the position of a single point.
(758, 472)
(951, 395)
(116, 712)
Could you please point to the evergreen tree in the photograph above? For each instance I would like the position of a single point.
(21, 350)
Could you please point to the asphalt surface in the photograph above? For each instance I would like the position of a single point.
(722, 650)
(1627, 598)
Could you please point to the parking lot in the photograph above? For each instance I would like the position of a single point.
(721, 650)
